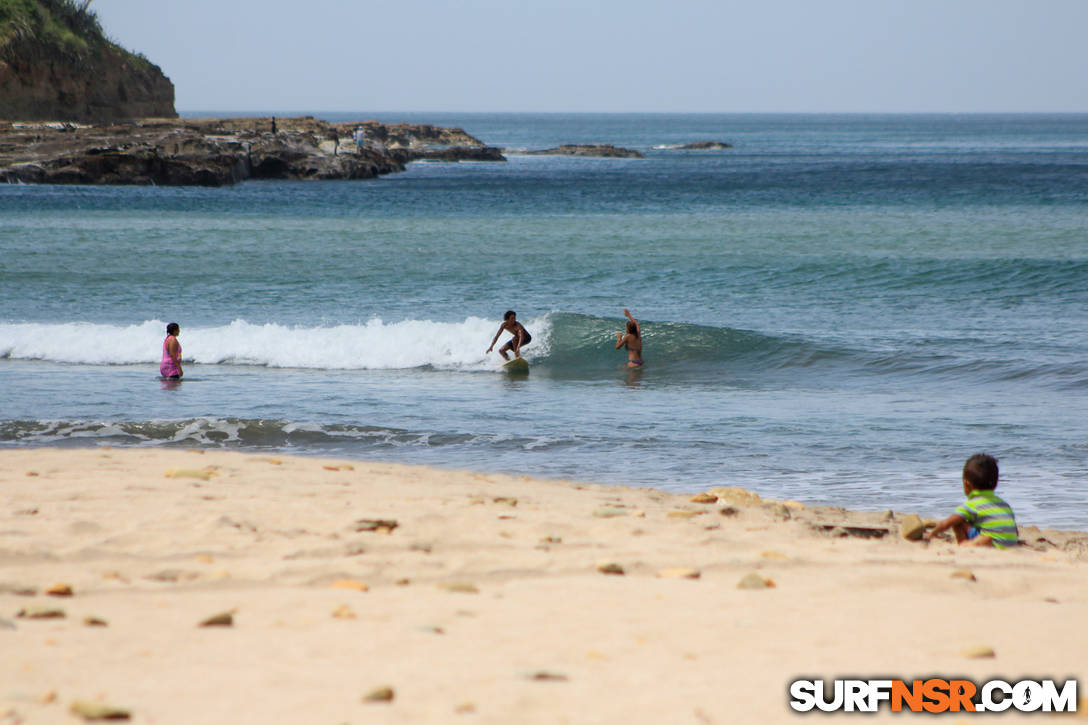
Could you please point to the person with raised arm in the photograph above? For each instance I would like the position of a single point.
(632, 340)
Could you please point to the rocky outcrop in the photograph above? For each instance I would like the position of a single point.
(411, 136)
(457, 153)
(214, 151)
(55, 64)
(598, 150)
(705, 146)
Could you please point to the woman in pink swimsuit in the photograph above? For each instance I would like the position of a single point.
(170, 367)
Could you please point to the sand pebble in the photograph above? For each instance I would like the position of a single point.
(380, 694)
(201, 473)
(459, 587)
(32, 473)
(776, 555)
(351, 584)
(679, 572)
(753, 580)
(223, 619)
(964, 574)
(728, 511)
(343, 612)
(608, 512)
(60, 590)
(911, 527)
(95, 622)
(380, 526)
(552, 540)
(779, 511)
(545, 676)
(978, 652)
(738, 496)
(465, 708)
(99, 711)
(172, 576)
(609, 567)
(509, 501)
(41, 613)
(704, 498)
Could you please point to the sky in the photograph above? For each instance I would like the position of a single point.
(716, 56)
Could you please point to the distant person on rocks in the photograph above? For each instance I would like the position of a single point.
(170, 367)
(360, 138)
(984, 519)
(632, 340)
(520, 339)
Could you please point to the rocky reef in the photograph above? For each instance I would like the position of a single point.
(598, 150)
(56, 63)
(222, 151)
(705, 146)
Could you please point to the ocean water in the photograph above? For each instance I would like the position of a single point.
(838, 309)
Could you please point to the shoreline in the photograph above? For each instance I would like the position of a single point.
(483, 597)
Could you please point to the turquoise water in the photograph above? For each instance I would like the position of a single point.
(838, 309)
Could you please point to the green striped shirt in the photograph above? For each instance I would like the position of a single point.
(992, 516)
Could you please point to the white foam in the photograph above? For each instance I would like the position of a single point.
(374, 345)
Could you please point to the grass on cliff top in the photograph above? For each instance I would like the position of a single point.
(69, 27)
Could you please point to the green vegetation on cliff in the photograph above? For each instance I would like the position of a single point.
(56, 63)
(69, 27)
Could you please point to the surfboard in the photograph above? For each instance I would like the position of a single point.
(517, 365)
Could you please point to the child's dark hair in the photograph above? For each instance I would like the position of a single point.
(632, 328)
(981, 472)
(509, 314)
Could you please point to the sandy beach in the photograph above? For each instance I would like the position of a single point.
(355, 592)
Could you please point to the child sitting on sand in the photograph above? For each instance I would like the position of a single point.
(984, 519)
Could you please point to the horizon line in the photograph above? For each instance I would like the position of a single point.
(304, 111)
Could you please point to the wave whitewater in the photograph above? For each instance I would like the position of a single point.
(565, 345)
(247, 433)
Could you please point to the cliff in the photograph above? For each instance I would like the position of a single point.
(56, 64)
